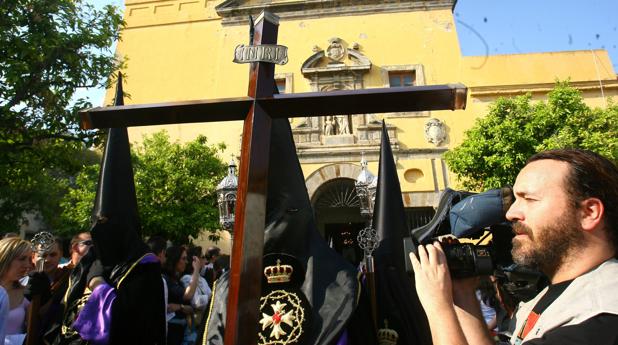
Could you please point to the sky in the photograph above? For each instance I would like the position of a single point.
(489, 27)
(527, 26)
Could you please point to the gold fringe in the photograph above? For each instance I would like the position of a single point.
(212, 303)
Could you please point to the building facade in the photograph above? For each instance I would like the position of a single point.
(183, 50)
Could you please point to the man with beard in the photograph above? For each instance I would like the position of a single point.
(565, 219)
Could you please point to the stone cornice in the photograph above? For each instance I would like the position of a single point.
(148, 13)
(519, 89)
(236, 12)
(352, 154)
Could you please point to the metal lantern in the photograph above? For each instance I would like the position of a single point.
(366, 184)
(226, 197)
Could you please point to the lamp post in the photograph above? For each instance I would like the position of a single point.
(226, 198)
(366, 185)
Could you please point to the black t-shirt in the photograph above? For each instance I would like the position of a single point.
(175, 293)
(599, 330)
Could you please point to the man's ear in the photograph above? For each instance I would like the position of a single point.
(591, 211)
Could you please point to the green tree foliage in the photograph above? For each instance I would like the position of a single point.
(498, 145)
(48, 49)
(175, 186)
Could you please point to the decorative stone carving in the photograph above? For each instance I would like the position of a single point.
(329, 126)
(338, 66)
(335, 51)
(435, 131)
(343, 125)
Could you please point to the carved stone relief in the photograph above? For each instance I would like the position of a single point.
(329, 126)
(435, 131)
(336, 125)
(335, 51)
(337, 67)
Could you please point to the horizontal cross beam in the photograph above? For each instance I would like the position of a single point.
(364, 101)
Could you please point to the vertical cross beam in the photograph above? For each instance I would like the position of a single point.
(246, 267)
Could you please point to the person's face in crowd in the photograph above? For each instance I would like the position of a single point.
(19, 267)
(545, 222)
(182, 263)
(83, 245)
(52, 259)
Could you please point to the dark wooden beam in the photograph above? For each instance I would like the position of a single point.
(224, 109)
(243, 305)
(365, 101)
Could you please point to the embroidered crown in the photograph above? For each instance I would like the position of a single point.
(279, 273)
(387, 336)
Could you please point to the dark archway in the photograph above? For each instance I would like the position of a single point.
(338, 217)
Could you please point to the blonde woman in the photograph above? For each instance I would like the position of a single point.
(15, 263)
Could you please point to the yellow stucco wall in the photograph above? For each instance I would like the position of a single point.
(179, 50)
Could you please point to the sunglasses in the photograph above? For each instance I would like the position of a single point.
(85, 243)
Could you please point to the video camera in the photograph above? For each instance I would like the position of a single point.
(463, 224)
(474, 217)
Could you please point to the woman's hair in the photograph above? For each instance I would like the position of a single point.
(191, 253)
(172, 256)
(10, 249)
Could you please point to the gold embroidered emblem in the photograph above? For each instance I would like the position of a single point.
(282, 318)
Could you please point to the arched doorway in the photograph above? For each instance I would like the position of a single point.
(338, 217)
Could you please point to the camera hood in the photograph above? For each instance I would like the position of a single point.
(465, 214)
(440, 224)
(479, 211)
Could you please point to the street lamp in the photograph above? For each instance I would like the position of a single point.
(226, 198)
(368, 239)
(366, 184)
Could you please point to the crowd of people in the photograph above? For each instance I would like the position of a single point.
(21, 283)
(188, 276)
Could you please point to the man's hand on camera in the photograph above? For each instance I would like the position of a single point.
(433, 281)
(451, 321)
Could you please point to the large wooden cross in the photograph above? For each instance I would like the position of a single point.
(257, 110)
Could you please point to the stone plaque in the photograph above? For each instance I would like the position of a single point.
(261, 53)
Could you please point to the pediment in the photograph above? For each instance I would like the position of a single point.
(336, 58)
(237, 11)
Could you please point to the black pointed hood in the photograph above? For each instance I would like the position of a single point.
(396, 297)
(389, 218)
(116, 227)
(328, 282)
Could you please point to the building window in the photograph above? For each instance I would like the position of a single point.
(403, 75)
(401, 78)
(280, 85)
